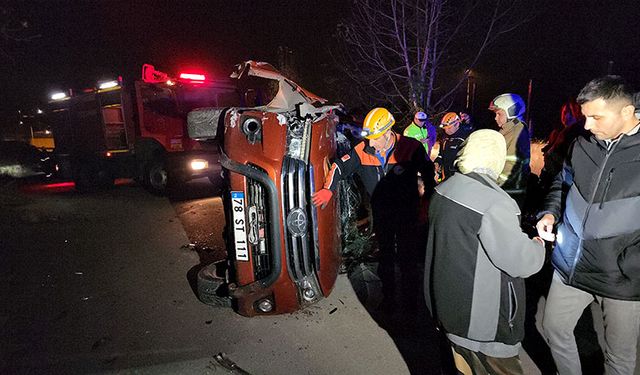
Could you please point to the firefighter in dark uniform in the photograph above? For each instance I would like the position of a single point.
(388, 165)
(451, 143)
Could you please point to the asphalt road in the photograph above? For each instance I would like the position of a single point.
(100, 283)
(104, 283)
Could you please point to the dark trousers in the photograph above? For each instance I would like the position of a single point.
(399, 239)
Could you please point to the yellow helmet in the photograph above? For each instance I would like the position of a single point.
(449, 118)
(377, 122)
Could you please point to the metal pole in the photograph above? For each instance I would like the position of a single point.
(529, 104)
(473, 97)
(468, 91)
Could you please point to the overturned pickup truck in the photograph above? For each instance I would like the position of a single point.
(283, 253)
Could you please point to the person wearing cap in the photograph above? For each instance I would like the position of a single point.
(476, 261)
(388, 165)
(454, 135)
(509, 111)
(422, 130)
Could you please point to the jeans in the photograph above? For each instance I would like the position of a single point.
(564, 307)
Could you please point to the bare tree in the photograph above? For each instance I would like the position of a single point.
(13, 30)
(396, 50)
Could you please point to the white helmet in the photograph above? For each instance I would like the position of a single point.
(512, 104)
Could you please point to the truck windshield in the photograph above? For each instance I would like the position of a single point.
(191, 97)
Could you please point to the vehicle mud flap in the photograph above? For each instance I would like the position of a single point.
(212, 286)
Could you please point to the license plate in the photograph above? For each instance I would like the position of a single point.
(239, 225)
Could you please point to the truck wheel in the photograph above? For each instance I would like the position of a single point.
(213, 289)
(157, 177)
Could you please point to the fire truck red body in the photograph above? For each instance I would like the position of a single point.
(137, 129)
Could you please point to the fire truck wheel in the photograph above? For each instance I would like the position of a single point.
(212, 288)
(156, 177)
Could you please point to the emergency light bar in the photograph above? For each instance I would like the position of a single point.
(193, 77)
(107, 85)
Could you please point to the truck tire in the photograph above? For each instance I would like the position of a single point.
(156, 177)
(213, 289)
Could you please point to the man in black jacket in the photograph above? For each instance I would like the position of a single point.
(596, 200)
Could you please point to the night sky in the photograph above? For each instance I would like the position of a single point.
(560, 49)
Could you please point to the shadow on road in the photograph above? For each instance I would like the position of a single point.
(412, 329)
(196, 189)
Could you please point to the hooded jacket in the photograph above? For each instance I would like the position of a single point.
(477, 257)
(597, 197)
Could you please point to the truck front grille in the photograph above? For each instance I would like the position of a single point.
(297, 218)
(257, 230)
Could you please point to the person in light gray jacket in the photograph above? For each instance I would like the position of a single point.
(477, 257)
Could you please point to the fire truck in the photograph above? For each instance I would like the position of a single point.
(136, 130)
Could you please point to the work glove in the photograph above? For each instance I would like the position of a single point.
(322, 197)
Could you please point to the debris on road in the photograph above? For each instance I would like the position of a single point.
(190, 247)
(225, 362)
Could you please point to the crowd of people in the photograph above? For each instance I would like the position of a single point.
(476, 255)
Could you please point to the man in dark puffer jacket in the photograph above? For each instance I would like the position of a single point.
(596, 199)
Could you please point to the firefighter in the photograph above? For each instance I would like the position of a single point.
(450, 144)
(388, 165)
(509, 110)
(422, 130)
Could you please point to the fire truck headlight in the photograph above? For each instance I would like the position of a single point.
(199, 164)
